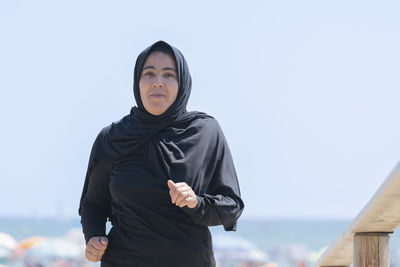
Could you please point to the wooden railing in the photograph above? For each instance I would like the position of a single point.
(366, 241)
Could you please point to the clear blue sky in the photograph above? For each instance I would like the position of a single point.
(307, 93)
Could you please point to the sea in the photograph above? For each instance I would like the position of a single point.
(284, 242)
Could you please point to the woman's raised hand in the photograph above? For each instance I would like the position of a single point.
(182, 194)
(95, 248)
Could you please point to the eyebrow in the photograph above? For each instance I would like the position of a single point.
(152, 67)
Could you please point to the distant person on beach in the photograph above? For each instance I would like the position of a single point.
(161, 175)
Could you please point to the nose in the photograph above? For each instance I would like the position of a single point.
(158, 82)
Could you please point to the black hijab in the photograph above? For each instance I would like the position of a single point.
(178, 145)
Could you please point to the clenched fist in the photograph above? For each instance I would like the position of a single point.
(182, 194)
(95, 248)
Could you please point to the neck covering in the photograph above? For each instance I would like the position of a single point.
(178, 145)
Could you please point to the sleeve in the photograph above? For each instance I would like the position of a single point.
(222, 203)
(95, 200)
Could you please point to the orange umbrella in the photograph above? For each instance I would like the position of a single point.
(31, 241)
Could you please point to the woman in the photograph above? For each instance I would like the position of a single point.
(161, 175)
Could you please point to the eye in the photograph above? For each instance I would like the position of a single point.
(169, 75)
(149, 73)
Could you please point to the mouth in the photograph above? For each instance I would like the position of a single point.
(157, 95)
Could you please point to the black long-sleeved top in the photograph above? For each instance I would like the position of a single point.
(126, 181)
(148, 229)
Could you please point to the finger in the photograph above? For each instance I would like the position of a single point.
(170, 184)
(91, 257)
(175, 193)
(186, 202)
(98, 246)
(104, 241)
(180, 184)
(177, 185)
(178, 188)
(98, 243)
(182, 196)
(96, 252)
(190, 202)
(93, 251)
(94, 247)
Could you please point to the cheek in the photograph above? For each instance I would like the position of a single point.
(142, 88)
(173, 90)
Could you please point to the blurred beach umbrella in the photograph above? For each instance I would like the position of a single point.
(4, 254)
(7, 241)
(76, 236)
(55, 248)
(7, 245)
(31, 242)
(236, 248)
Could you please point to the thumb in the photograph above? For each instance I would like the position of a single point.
(104, 240)
(170, 184)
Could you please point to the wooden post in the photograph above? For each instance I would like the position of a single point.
(371, 249)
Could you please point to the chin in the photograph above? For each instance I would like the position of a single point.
(156, 109)
(157, 112)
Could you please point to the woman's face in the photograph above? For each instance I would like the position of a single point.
(158, 82)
